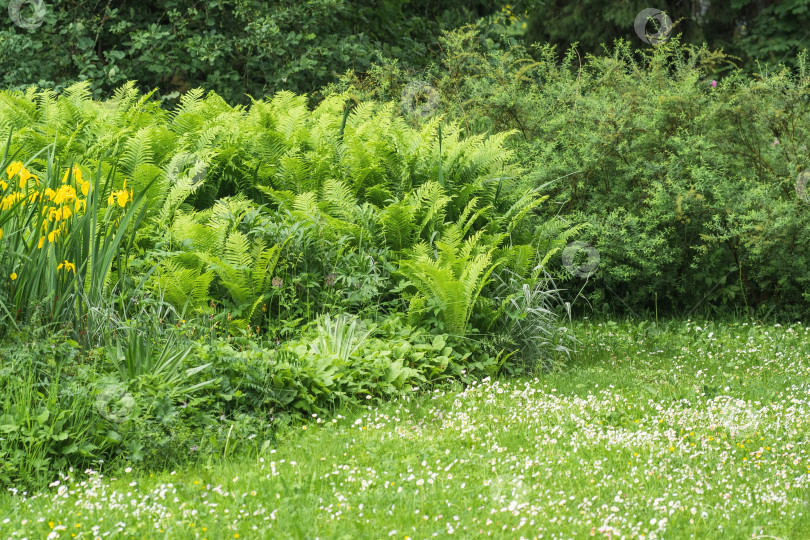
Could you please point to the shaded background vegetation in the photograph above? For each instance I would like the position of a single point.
(234, 47)
(767, 31)
(239, 47)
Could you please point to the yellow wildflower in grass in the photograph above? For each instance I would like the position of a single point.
(54, 235)
(1, 234)
(9, 200)
(13, 276)
(25, 176)
(121, 196)
(41, 241)
(3, 186)
(13, 169)
(59, 214)
(77, 175)
(65, 194)
(67, 266)
(17, 168)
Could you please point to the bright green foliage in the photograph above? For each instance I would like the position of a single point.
(340, 337)
(219, 242)
(691, 192)
(140, 359)
(453, 280)
(209, 244)
(48, 419)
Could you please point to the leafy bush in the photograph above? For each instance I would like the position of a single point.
(756, 33)
(690, 189)
(49, 419)
(236, 48)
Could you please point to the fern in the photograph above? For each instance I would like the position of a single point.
(137, 151)
(455, 278)
(185, 288)
(210, 242)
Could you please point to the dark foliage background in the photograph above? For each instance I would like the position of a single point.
(238, 47)
(766, 31)
(234, 47)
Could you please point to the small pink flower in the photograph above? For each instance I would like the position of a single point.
(714, 84)
(775, 142)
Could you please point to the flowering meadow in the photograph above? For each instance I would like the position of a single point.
(689, 430)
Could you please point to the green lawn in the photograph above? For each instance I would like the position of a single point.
(685, 431)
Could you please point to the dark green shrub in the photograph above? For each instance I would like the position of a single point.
(237, 48)
(756, 32)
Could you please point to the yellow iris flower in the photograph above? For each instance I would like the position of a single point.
(67, 266)
(77, 175)
(122, 196)
(14, 168)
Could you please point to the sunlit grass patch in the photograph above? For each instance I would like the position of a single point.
(710, 442)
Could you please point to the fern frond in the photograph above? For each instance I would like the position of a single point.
(137, 151)
(398, 225)
(340, 201)
(237, 251)
(264, 267)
